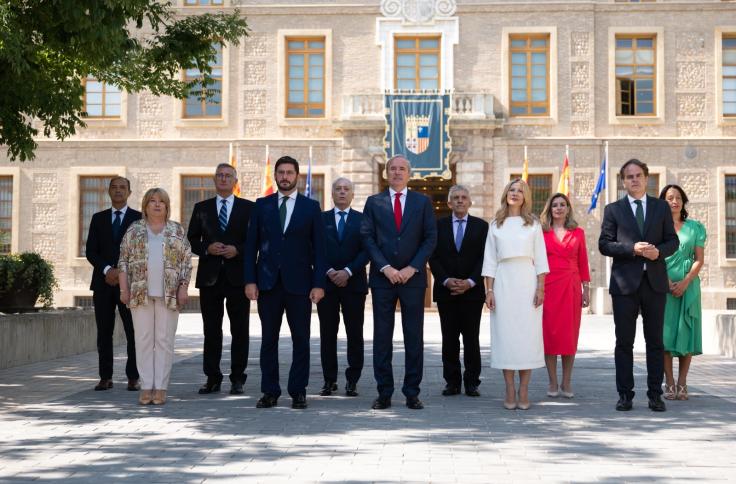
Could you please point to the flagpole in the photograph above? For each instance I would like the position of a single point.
(608, 259)
(569, 171)
(606, 153)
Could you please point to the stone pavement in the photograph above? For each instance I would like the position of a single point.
(54, 427)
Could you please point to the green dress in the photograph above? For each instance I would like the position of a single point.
(682, 315)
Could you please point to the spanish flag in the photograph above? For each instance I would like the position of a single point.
(234, 164)
(564, 185)
(525, 168)
(267, 176)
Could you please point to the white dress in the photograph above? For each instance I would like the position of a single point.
(515, 254)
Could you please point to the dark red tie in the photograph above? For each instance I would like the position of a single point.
(397, 211)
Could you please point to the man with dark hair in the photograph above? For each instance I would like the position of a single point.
(285, 272)
(638, 233)
(106, 230)
(217, 233)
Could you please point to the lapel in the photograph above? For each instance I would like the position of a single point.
(448, 226)
(107, 222)
(272, 213)
(389, 205)
(215, 212)
(353, 224)
(409, 207)
(329, 218)
(233, 213)
(295, 214)
(648, 215)
(629, 214)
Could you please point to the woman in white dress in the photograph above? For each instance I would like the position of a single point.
(514, 266)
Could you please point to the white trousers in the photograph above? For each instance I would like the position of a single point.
(155, 330)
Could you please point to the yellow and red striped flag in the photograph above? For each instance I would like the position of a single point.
(525, 168)
(564, 185)
(234, 164)
(267, 176)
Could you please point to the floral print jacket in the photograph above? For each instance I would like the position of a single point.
(134, 261)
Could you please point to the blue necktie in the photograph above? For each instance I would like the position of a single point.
(459, 235)
(341, 225)
(223, 215)
(116, 225)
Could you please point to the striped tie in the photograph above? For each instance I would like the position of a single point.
(223, 215)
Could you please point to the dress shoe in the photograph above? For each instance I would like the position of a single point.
(451, 390)
(381, 403)
(145, 397)
(237, 388)
(414, 403)
(472, 390)
(212, 386)
(299, 402)
(351, 389)
(159, 397)
(328, 388)
(133, 385)
(267, 401)
(656, 404)
(104, 384)
(624, 404)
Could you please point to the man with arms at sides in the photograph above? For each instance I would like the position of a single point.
(399, 233)
(459, 290)
(285, 271)
(638, 233)
(346, 289)
(217, 233)
(106, 230)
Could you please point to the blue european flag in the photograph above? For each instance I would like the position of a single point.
(599, 187)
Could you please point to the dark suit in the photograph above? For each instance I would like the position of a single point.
(634, 289)
(285, 266)
(103, 250)
(460, 315)
(410, 246)
(219, 281)
(349, 253)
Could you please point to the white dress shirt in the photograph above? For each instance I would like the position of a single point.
(455, 226)
(228, 205)
(290, 202)
(643, 207)
(402, 198)
(112, 219)
(337, 221)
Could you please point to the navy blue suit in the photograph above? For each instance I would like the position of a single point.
(285, 266)
(343, 253)
(412, 245)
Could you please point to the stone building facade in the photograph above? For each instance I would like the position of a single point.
(688, 138)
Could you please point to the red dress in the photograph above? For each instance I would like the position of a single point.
(563, 297)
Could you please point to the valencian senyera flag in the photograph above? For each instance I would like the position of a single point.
(417, 127)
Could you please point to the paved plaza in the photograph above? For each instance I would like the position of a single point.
(54, 427)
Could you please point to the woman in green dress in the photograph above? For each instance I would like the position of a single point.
(682, 315)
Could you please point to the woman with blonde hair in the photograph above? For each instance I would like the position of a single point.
(155, 267)
(567, 290)
(514, 266)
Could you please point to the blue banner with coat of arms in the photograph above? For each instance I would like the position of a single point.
(417, 126)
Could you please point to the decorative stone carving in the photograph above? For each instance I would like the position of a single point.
(255, 102)
(645, 130)
(44, 216)
(525, 131)
(580, 75)
(45, 244)
(255, 73)
(583, 185)
(150, 128)
(580, 128)
(698, 211)
(580, 104)
(418, 11)
(256, 45)
(691, 105)
(691, 75)
(689, 129)
(729, 279)
(690, 44)
(695, 185)
(580, 44)
(255, 128)
(147, 180)
(149, 105)
(45, 187)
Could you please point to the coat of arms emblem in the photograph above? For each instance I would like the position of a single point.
(417, 134)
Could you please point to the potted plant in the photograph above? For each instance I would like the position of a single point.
(25, 279)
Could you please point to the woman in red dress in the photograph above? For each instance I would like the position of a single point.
(566, 288)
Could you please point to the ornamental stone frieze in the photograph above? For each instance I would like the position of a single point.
(418, 11)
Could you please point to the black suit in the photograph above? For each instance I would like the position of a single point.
(343, 253)
(634, 289)
(102, 250)
(221, 280)
(460, 314)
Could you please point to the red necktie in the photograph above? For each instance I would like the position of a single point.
(397, 210)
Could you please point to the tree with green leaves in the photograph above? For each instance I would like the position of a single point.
(48, 46)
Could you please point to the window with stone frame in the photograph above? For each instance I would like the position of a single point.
(194, 189)
(305, 77)
(195, 106)
(652, 186)
(730, 210)
(417, 63)
(728, 52)
(6, 213)
(93, 198)
(100, 100)
(541, 188)
(636, 73)
(318, 187)
(529, 66)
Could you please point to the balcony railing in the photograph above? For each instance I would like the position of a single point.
(465, 106)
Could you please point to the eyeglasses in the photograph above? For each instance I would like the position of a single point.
(226, 176)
